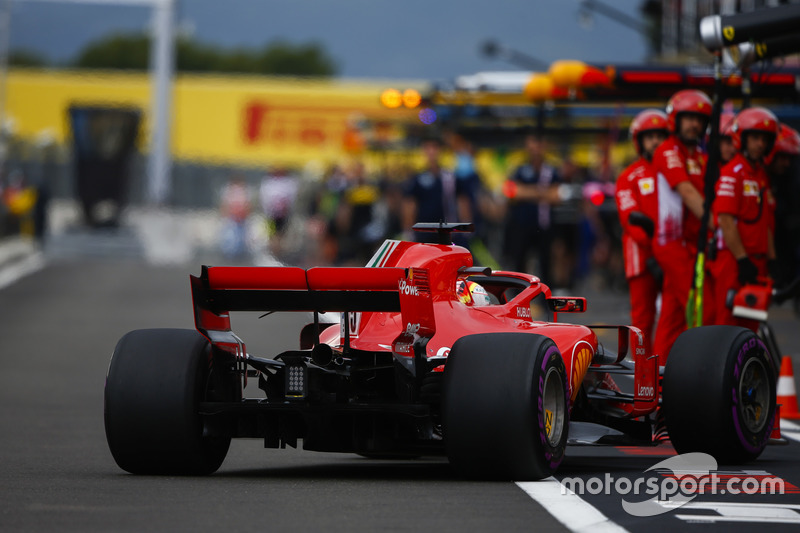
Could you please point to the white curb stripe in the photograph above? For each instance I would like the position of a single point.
(568, 508)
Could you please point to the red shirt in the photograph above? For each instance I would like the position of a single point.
(636, 191)
(743, 191)
(675, 163)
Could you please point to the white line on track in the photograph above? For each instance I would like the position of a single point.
(19, 269)
(568, 508)
(790, 430)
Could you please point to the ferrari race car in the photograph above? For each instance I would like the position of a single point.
(431, 356)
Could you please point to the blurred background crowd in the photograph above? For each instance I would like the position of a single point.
(341, 215)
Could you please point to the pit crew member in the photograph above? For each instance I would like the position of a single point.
(636, 193)
(680, 169)
(745, 209)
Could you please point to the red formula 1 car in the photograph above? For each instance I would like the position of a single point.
(432, 356)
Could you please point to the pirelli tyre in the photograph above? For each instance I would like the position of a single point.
(505, 408)
(719, 393)
(155, 382)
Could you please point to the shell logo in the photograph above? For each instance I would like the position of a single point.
(580, 362)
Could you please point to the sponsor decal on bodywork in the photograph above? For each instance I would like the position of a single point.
(582, 355)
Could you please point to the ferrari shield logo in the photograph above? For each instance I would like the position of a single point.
(728, 32)
(548, 421)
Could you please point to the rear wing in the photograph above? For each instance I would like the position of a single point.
(339, 289)
(220, 290)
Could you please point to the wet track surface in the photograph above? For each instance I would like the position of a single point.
(58, 327)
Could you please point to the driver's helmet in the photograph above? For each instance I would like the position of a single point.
(472, 293)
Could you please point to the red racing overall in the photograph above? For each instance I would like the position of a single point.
(636, 191)
(742, 191)
(675, 242)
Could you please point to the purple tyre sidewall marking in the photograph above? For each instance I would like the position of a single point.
(746, 348)
(553, 461)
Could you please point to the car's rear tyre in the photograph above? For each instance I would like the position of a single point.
(719, 393)
(156, 379)
(505, 407)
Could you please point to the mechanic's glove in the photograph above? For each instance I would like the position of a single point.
(637, 218)
(748, 272)
(655, 270)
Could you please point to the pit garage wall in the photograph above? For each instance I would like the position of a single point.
(217, 120)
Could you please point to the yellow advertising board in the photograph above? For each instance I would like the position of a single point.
(231, 120)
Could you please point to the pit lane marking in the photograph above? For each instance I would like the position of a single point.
(17, 270)
(790, 430)
(738, 512)
(568, 508)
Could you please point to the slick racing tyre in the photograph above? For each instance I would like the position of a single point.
(719, 393)
(156, 379)
(505, 407)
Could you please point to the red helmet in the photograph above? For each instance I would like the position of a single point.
(472, 293)
(788, 142)
(725, 122)
(687, 101)
(754, 119)
(647, 120)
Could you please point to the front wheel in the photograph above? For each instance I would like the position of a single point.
(156, 381)
(719, 393)
(505, 408)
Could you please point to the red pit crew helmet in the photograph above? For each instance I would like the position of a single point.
(754, 119)
(725, 122)
(647, 120)
(687, 101)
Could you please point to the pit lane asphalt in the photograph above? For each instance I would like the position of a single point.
(58, 327)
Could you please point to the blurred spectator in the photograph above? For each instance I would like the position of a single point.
(473, 199)
(567, 216)
(235, 205)
(434, 195)
(531, 191)
(19, 201)
(355, 222)
(277, 196)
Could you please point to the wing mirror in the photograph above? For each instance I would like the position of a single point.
(567, 304)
